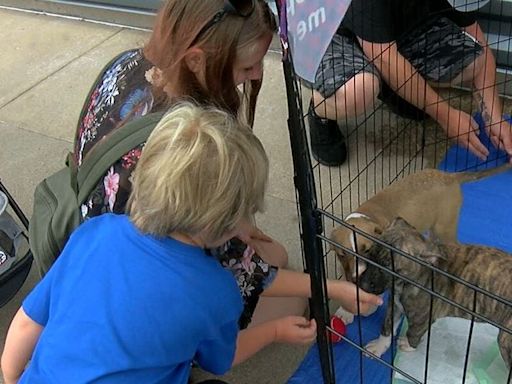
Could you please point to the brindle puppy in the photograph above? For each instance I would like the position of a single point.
(485, 267)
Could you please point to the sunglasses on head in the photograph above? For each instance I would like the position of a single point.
(242, 8)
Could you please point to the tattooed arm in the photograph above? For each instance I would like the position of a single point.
(409, 84)
(486, 95)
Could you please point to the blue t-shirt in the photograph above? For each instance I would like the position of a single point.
(119, 306)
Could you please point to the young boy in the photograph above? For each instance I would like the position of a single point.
(134, 298)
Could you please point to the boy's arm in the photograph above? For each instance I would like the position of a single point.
(21, 339)
(289, 283)
(290, 329)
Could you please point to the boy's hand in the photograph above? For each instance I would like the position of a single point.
(346, 293)
(295, 330)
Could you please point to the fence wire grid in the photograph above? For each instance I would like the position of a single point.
(388, 141)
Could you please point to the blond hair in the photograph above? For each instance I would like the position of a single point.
(200, 170)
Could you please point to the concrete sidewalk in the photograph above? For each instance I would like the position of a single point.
(48, 65)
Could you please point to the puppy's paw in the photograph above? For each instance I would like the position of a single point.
(379, 346)
(345, 315)
(403, 344)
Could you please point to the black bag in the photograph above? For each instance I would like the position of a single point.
(15, 255)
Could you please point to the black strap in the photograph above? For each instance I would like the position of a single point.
(110, 149)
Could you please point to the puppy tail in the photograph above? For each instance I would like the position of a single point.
(471, 176)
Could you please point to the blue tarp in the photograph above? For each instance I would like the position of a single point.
(460, 159)
(348, 361)
(486, 209)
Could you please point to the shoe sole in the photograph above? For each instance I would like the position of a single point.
(327, 163)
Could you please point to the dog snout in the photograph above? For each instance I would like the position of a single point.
(358, 270)
(373, 281)
(366, 283)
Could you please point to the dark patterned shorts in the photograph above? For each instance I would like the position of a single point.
(439, 50)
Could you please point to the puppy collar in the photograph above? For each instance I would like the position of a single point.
(357, 215)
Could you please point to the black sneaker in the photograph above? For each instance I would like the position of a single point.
(327, 142)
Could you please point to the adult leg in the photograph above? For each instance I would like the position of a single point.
(355, 98)
(442, 53)
(271, 308)
(468, 75)
(346, 86)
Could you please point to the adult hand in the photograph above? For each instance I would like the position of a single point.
(272, 252)
(500, 133)
(462, 128)
(295, 330)
(248, 233)
(267, 248)
(346, 294)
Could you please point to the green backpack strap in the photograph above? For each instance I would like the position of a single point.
(110, 149)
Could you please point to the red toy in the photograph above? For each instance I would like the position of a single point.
(339, 326)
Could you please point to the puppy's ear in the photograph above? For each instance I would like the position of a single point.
(377, 230)
(337, 235)
(433, 255)
(434, 238)
(400, 223)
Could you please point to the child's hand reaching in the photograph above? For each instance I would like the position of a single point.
(290, 329)
(346, 294)
(295, 330)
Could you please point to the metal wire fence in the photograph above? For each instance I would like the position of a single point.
(383, 147)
